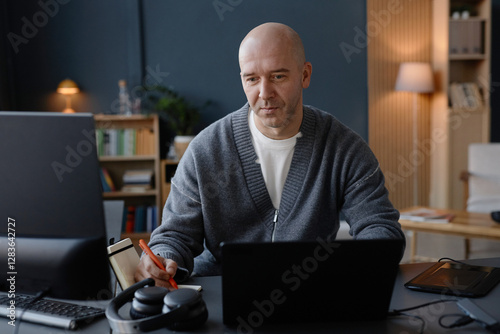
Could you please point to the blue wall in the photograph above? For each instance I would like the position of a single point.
(189, 45)
(198, 46)
(83, 40)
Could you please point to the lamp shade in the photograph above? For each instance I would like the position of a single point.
(415, 77)
(67, 87)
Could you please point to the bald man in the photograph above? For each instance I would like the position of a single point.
(274, 170)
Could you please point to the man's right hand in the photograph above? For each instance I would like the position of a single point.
(148, 269)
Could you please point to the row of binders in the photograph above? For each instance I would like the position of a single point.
(466, 36)
(465, 96)
(140, 218)
(125, 142)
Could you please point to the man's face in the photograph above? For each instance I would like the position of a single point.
(273, 81)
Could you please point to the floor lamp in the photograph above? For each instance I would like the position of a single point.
(415, 78)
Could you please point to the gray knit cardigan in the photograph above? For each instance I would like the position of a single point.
(218, 193)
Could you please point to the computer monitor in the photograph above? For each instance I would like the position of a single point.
(53, 233)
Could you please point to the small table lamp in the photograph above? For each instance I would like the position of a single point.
(415, 78)
(68, 87)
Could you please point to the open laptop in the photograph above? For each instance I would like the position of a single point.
(321, 281)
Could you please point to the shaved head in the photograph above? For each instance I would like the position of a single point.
(273, 36)
(274, 72)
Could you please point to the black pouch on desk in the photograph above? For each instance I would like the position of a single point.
(456, 279)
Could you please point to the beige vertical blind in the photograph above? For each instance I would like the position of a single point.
(398, 31)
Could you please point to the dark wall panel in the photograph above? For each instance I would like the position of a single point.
(83, 40)
(189, 45)
(197, 43)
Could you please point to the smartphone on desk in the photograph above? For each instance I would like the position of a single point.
(124, 261)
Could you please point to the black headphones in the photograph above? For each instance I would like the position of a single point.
(155, 307)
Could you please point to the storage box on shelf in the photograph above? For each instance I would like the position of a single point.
(461, 104)
(129, 145)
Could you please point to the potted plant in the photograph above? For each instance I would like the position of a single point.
(181, 116)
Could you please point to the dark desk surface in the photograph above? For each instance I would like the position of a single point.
(401, 298)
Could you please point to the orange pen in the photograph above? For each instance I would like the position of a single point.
(153, 257)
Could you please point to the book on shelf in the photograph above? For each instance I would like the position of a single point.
(145, 140)
(137, 176)
(427, 215)
(125, 142)
(477, 44)
(140, 218)
(137, 180)
(106, 180)
(129, 219)
(136, 188)
(454, 43)
(465, 95)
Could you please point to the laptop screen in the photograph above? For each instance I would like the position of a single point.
(308, 281)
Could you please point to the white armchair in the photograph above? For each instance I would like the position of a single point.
(484, 178)
(482, 191)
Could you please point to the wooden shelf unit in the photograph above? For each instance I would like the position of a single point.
(453, 130)
(117, 165)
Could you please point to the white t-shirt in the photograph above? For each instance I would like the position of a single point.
(274, 157)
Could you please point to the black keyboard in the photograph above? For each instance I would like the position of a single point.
(50, 312)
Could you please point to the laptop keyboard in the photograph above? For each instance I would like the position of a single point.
(50, 312)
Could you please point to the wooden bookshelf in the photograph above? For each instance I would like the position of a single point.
(145, 157)
(167, 170)
(454, 129)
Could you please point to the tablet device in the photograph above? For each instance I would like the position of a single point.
(455, 278)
